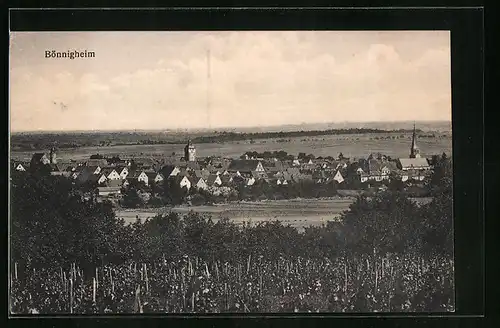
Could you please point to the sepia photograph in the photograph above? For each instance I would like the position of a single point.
(177, 172)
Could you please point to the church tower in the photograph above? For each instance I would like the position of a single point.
(53, 158)
(414, 151)
(190, 152)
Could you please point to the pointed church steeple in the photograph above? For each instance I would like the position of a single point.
(52, 155)
(414, 151)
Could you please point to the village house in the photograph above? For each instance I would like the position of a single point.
(138, 176)
(85, 174)
(270, 174)
(293, 171)
(73, 175)
(144, 163)
(185, 172)
(276, 165)
(114, 183)
(108, 191)
(415, 163)
(96, 162)
(38, 160)
(204, 162)
(203, 173)
(249, 181)
(198, 182)
(227, 179)
(21, 167)
(170, 171)
(319, 177)
(92, 169)
(181, 181)
(111, 174)
(338, 177)
(100, 178)
(282, 181)
(214, 180)
(123, 171)
(377, 170)
(56, 170)
(154, 177)
(307, 163)
(271, 171)
(77, 170)
(141, 176)
(414, 175)
(257, 175)
(192, 166)
(241, 167)
(287, 176)
(278, 181)
(118, 162)
(325, 166)
(190, 152)
(406, 164)
(272, 181)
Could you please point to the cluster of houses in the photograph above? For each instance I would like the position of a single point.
(111, 175)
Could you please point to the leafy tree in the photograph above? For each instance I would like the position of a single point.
(196, 234)
(162, 237)
(441, 176)
(131, 198)
(173, 193)
(384, 223)
(437, 216)
(396, 184)
(114, 159)
(50, 223)
(198, 199)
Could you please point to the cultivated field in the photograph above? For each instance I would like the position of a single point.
(298, 213)
(328, 145)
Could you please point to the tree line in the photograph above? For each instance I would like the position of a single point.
(239, 136)
(35, 141)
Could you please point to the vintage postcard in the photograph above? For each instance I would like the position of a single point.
(230, 172)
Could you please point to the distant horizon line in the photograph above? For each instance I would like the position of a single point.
(187, 129)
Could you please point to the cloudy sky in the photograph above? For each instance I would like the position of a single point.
(158, 80)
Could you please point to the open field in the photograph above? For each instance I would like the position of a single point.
(298, 213)
(329, 145)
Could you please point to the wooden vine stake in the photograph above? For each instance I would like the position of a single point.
(70, 295)
(94, 289)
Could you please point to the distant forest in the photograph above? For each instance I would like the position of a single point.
(35, 141)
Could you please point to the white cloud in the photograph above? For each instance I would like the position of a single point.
(256, 78)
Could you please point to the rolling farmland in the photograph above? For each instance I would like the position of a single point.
(332, 145)
(298, 213)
